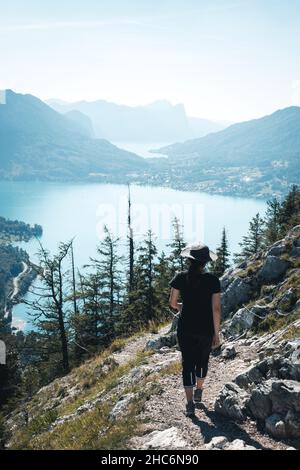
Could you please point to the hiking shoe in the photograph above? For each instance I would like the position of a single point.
(190, 409)
(198, 395)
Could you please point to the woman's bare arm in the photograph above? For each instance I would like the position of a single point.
(216, 308)
(173, 300)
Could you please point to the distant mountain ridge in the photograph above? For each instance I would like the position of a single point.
(259, 157)
(38, 142)
(159, 121)
(273, 137)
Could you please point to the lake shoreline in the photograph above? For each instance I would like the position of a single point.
(188, 187)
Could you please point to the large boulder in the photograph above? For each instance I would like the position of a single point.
(167, 439)
(295, 252)
(222, 443)
(239, 444)
(283, 426)
(269, 392)
(285, 396)
(227, 277)
(232, 402)
(292, 423)
(288, 299)
(273, 269)
(275, 426)
(260, 404)
(239, 291)
(217, 443)
(277, 249)
(250, 376)
(243, 319)
(167, 340)
(292, 349)
(279, 367)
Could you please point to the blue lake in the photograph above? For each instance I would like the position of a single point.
(67, 210)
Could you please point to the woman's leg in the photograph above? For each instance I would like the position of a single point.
(188, 364)
(188, 375)
(189, 391)
(200, 383)
(204, 348)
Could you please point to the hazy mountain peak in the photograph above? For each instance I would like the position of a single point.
(159, 121)
(160, 104)
(38, 142)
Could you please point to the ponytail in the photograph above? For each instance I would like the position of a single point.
(195, 270)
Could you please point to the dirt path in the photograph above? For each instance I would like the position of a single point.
(130, 349)
(166, 410)
(16, 281)
(15, 289)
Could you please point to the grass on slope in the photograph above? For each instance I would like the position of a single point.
(84, 432)
(275, 321)
(90, 430)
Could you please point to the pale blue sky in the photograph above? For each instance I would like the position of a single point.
(224, 59)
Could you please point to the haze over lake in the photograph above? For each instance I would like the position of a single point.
(142, 148)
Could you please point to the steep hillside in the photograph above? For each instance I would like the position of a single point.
(84, 124)
(131, 395)
(258, 157)
(38, 142)
(260, 141)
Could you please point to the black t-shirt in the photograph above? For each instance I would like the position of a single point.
(196, 313)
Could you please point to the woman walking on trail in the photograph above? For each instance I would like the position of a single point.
(198, 327)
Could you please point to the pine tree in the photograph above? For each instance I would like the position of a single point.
(222, 263)
(107, 268)
(163, 274)
(177, 244)
(272, 222)
(253, 241)
(290, 210)
(131, 317)
(92, 325)
(140, 310)
(146, 268)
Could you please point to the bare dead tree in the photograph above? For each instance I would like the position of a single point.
(131, 245)
(50, 304)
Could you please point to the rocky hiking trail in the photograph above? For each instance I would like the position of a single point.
(155, 382)
(131, 394)
(167, 425)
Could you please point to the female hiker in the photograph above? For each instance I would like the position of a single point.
(199, 320)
